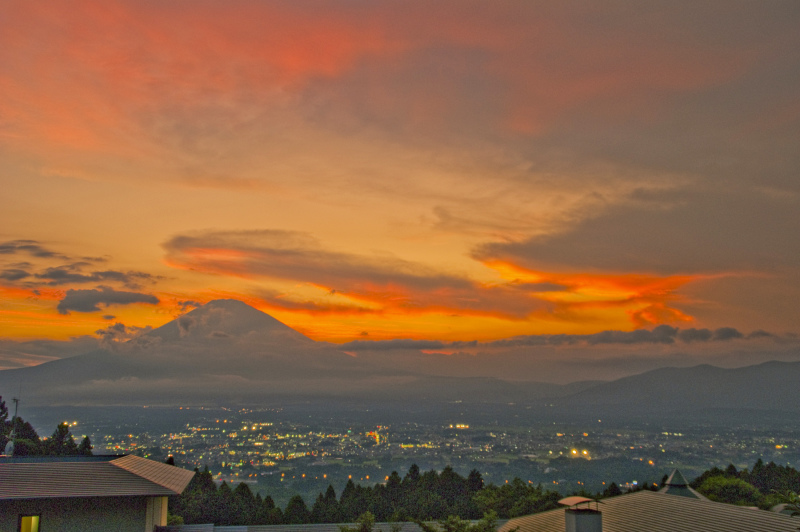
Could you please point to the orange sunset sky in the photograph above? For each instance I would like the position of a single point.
(366, 170)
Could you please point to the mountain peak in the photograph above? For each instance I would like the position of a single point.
(231, 304)
(226, 318)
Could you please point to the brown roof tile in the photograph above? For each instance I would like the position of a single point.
(124, 476)
(171, 477)
(646, 511)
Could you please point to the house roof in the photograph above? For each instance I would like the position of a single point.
(677, 479)
(112, 476)
(677, 484)
(646, 511)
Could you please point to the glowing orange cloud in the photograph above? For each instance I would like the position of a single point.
(340, 285)
(216, 261)
(658, 313)
(30, 294)
(75, 71)
(362, 285)
(445, 115)
(643, 297)
(91, 76)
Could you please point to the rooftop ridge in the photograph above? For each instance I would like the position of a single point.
(165, 475)
(124, 476)
(677, 479)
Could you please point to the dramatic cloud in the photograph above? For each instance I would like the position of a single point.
(49, 282)
(669, 232)
(385, 281)
(344, 284)
(470, 170)
(663, 334)
(42, 273)
(90, 300)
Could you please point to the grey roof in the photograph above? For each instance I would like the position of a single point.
(677, 479)
(678, 485)
(682, 491)
(646, 511)
(111, 477)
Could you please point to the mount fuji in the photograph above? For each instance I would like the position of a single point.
(227, 352)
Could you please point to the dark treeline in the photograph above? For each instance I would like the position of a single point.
(28, 443)
(765, 485)
(417, 496)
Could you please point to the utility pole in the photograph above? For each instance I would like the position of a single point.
(9, 450)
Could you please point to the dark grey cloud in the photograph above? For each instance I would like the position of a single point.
(90, 300)
(14, 274)
(391, 345)
(695, 335)
(115, 329)
(185, 324)
(726, 333)
(691, 229)
(67, 271)
(30, 247)
(73, 274)
(112, 336)
(663, 334)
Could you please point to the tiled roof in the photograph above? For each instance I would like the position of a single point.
(122, 476)
(171, 477)
(646, 511)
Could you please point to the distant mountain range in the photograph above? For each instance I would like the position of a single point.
(767, 386)
(227, 352)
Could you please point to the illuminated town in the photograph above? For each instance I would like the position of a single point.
(283, 457)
